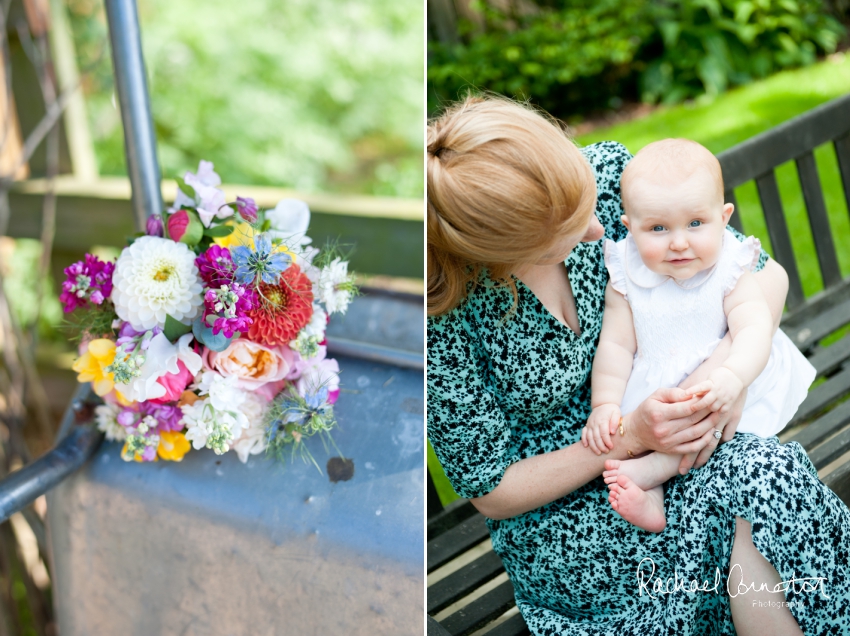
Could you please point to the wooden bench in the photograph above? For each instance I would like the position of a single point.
(467, 588)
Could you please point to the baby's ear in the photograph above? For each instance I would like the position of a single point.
(625, 221)
(728, 209)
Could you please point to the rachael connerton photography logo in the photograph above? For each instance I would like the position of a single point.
(735, 586)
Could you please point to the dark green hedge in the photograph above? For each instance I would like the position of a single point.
(578, 56)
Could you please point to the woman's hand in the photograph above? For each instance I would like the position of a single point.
(670, 421)
(727, 423)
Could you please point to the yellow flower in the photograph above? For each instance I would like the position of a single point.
(136, 457)
(172, 446)
(244, 235)
(91, 366)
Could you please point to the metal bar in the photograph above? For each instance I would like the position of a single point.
(24, 486)
(771, 204)
(376, 353)
(131, 87)
(818, 220)
(77, 440)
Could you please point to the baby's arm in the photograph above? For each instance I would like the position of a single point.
(751, 328)
(611, 369)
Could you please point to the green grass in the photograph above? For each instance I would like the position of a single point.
(728, 120)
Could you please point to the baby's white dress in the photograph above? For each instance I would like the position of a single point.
(679, 323)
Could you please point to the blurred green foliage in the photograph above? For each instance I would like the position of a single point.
(583, 55)
(311, 94)
(20, 259)
(575, 52)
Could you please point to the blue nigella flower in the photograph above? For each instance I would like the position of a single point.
(260, 262)
(317, 400)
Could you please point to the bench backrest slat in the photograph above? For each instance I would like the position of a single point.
(787, 141)
(777, 228)
(842, 151)
(818, 219)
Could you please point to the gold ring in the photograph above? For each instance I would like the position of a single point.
(630, 454)
(620, 427)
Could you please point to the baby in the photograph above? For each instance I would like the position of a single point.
(678, 282)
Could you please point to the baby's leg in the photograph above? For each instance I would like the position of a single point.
(645, 472)
(643, 508)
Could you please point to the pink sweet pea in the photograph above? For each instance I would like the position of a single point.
(174, 384)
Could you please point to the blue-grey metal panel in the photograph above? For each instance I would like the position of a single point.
(213, 546)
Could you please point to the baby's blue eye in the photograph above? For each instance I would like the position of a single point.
(657, 228)
(695, 224)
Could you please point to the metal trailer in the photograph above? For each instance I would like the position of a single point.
(213, 546)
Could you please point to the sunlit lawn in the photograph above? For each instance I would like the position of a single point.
(729, 120)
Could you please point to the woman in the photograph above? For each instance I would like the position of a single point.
(516, 284)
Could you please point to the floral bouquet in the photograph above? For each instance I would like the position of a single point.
(208, 330)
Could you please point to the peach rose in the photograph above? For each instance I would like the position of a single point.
(255, 365)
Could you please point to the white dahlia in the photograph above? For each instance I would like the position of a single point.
(154, 277)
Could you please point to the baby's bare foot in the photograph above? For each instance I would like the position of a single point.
(643, 508)
(646, 472)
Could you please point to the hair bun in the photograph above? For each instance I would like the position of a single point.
(436, 147)
(504, 185)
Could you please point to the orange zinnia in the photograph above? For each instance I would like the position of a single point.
(283, 309)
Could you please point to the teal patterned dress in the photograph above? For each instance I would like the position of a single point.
(503, 390)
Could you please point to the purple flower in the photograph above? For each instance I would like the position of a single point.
(127, 418)
(247, 208)
(154, 226)
(87, 280)
(229, 306)
(215, 266)
(129, 337)
(165, 417)
(169, 416)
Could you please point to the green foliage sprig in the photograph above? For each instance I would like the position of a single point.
(94, 322)
(292, 418)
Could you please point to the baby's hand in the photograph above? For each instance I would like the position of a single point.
(601, 425)
(719, 392)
